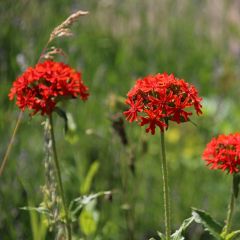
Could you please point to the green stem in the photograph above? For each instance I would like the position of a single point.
(165, 190)
(230, 211)
(59, 179)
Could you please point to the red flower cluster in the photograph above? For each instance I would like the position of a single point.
(154, 100)
(41, 87)
(223, 153)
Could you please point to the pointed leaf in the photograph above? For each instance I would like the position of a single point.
(39, 228)
(61, 113)
(233, 235)
(77, 204)
(193, 123)
(178, 234)
(85, 187)
(87, 222)
(209, 224)
(161, 235)
(236, 183)
(37, 209)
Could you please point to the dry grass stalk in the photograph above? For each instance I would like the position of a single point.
(52, 52)
(64, 28)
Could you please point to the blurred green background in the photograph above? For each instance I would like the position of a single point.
(118, 42)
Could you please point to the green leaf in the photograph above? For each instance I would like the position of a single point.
(71, 123)
(41, 210)
(39, 228)
(236, 183)
(38, 224)
(178, 234)
(209, 224)
(161, 235)
(77, 204)
(61, 113)
(233, 235)
(71, 135)
(193, 123)
(87, 222)
(85, 187)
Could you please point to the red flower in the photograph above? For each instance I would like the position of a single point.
(156, 99)
(152, 119)
(131, 114)
(40, 88)
(223, 153)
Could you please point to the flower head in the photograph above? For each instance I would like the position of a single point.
(42, 87)
(223, 153)
(156, 99)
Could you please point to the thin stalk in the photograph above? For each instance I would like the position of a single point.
(9, 147)
(59, 179)
(165, 190)
(230, 211)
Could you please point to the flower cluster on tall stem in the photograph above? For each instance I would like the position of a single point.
(39, 89)
(157, 99)
(223, 152)
(154, 101)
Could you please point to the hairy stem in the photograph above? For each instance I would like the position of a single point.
(227, 227)
(165, 190)
(59, 179)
